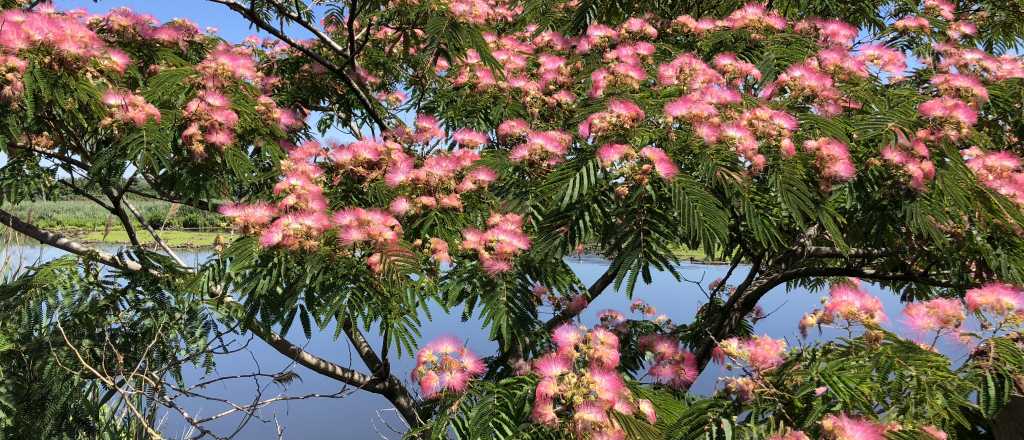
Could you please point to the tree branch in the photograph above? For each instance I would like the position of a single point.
(152, 232)
(391, 387)
(593, 292)
(317, 364)
(350, 82)
(749, 294)
(63, 243)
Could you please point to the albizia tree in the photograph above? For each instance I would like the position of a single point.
(817, 144)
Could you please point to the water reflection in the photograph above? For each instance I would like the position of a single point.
(364, 415)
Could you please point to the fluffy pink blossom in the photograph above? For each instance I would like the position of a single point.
(889, 60)
(934, 315)
(445, 365)
(912, 23)
(935, 432)
(469, 138)
(963, 86)
(762, 353)
(734, 69)
(621, 115)
(427, 128)
(609, 154)
(543, 147)
(755, 17)
(688, 71)
(249, 219)
(833, 159)
(959, 29)
(227, 62)
(998, 298)
(913, 157)
(662, 163)
(942, 8)
(358, 225)
(848, 301)
(211, 121)
(580, 379)
(671, 364)
(300, 230)
(998, 170)
(843, 427)
(439, 250)
(127, 107)
(499, 244)
(953, 115)
(513, 129)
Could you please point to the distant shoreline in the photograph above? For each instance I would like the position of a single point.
(204, 239)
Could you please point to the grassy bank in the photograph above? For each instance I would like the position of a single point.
(181, 226)
(86, 215)
(176, 239)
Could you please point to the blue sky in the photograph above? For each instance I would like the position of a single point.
(204, 13)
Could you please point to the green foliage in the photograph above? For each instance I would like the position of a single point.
(65, 320)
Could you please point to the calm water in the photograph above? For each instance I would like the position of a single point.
(366, 416)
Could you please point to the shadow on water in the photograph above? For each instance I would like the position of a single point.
(362, 415)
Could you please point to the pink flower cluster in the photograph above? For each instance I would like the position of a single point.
(211, 122)
(953, 116)
(690, 73)
(126, 24)
(300, 217)
(969, 60)
(848, 301)
(225, 63)
(126, 107)
(833, 159)
(12, 70)
(912, 23)
(64, 33)
(843, 427)
(368, 159)
(439, 181)
(753, 17)
(888, 60)
(497, 246)
(807, 80)
(209, 116)
(545, 148)
(445, 364)
(285, 119)
(913, 158)
(625, 68)
(358, 225)
(485, 11)
(761, 353)
(999, 170)
(998, 298)
(579, 386)
(621, 115)
(249, 219)
(940, 314)
(671, 365)
(962, 86)
(624, 161)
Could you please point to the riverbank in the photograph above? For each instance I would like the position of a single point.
(173, 238)
(181, 226)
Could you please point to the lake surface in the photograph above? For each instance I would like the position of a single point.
(363, 415)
